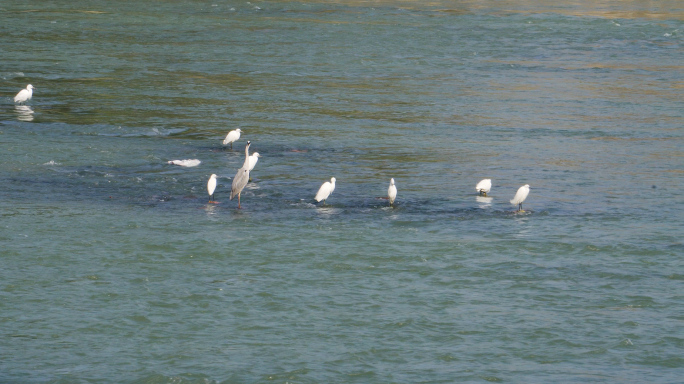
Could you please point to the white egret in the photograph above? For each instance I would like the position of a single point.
(484, 186)
(24, 95)
(326, 190)
(520, 196)
(241, 177)
(186, 162)
(232, 137)
(252, 162)
(392, 192)
(211, 187)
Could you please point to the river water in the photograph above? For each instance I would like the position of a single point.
(115, 269)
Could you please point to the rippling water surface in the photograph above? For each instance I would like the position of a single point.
(114, 269)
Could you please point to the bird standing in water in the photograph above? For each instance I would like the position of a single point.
(211, 187)
(483, 187)
(325, 190)
(241, 177)
(24, 95)
(392, 192)
(252, 163)
(520, 196)
(232, 137)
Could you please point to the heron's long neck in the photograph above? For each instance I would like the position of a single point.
(246, 164)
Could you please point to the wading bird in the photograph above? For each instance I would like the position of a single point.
(252, 162)
(520, 196)
(484, 186)
(326, 190)
(241, 177)
(24, 95)
(392, 192)
(211, 187)
(232, 137)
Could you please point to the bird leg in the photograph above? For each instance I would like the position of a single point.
(239, 207)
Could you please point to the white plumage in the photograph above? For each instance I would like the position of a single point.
(211, 187)
(253, 160)
(232, 137)
(392, 192)
(484, 186)
(186, 162)
(520, 196)
(24, 95)
(326, 190)
(252, 163)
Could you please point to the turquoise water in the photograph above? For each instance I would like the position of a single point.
(114, 269)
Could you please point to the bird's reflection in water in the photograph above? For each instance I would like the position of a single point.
(211, 210)
(484, 201)
(327, 210)
(24, 112)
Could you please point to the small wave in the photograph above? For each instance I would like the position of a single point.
(186, 162)
(303, 203)
(52, 162)
(24, 112)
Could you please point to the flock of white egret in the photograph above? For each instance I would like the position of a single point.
(242, 176)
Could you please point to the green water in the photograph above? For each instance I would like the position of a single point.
(115, 269)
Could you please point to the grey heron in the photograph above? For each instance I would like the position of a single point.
(241, 177)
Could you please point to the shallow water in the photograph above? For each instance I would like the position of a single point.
(115, 269)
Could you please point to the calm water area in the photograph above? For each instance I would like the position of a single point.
(114, 268)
